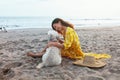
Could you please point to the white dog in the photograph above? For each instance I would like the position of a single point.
(52, 56)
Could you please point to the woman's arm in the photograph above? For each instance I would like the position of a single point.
(60, 41)
(56, 44)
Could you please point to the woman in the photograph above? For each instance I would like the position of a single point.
(70, 47)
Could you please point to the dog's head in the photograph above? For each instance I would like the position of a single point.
(53, 35)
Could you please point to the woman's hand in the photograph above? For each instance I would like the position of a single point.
(60, 41)
(52, 44)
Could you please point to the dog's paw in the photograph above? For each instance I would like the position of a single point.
(39, 66)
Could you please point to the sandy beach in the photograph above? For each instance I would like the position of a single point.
(16, 65)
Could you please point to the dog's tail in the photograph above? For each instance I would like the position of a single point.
(40, 66)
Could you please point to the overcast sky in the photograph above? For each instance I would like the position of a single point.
(80, 8)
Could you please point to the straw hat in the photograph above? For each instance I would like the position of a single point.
(90, 61)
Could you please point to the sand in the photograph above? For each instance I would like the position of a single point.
(16, 65)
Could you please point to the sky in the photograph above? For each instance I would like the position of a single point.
(67, 8)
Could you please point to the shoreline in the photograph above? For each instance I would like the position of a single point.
(95, 27)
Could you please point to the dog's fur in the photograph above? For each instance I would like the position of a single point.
(52, 56)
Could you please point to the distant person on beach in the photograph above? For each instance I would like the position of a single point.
(70, 47)
(3, 29)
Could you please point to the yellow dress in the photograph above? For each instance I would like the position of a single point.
(72, 48)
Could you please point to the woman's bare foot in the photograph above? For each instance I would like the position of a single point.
(34, 55)
(30, 54)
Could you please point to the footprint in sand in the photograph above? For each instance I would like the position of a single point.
(115, 69)
(28, 46)
(13, 65)
(92, 78)
(1, 63)
(1, 53)
(6, 72)
(35, 41)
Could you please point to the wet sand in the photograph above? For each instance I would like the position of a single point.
(15, 65)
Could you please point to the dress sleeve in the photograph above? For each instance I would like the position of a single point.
(68, 39)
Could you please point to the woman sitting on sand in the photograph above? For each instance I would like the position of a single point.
(70, 47)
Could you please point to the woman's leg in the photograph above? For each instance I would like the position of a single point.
(39, 54)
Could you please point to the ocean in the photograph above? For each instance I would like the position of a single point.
(45, 22)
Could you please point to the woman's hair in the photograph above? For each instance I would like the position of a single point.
(64, 23)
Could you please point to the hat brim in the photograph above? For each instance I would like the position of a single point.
(97, 64)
